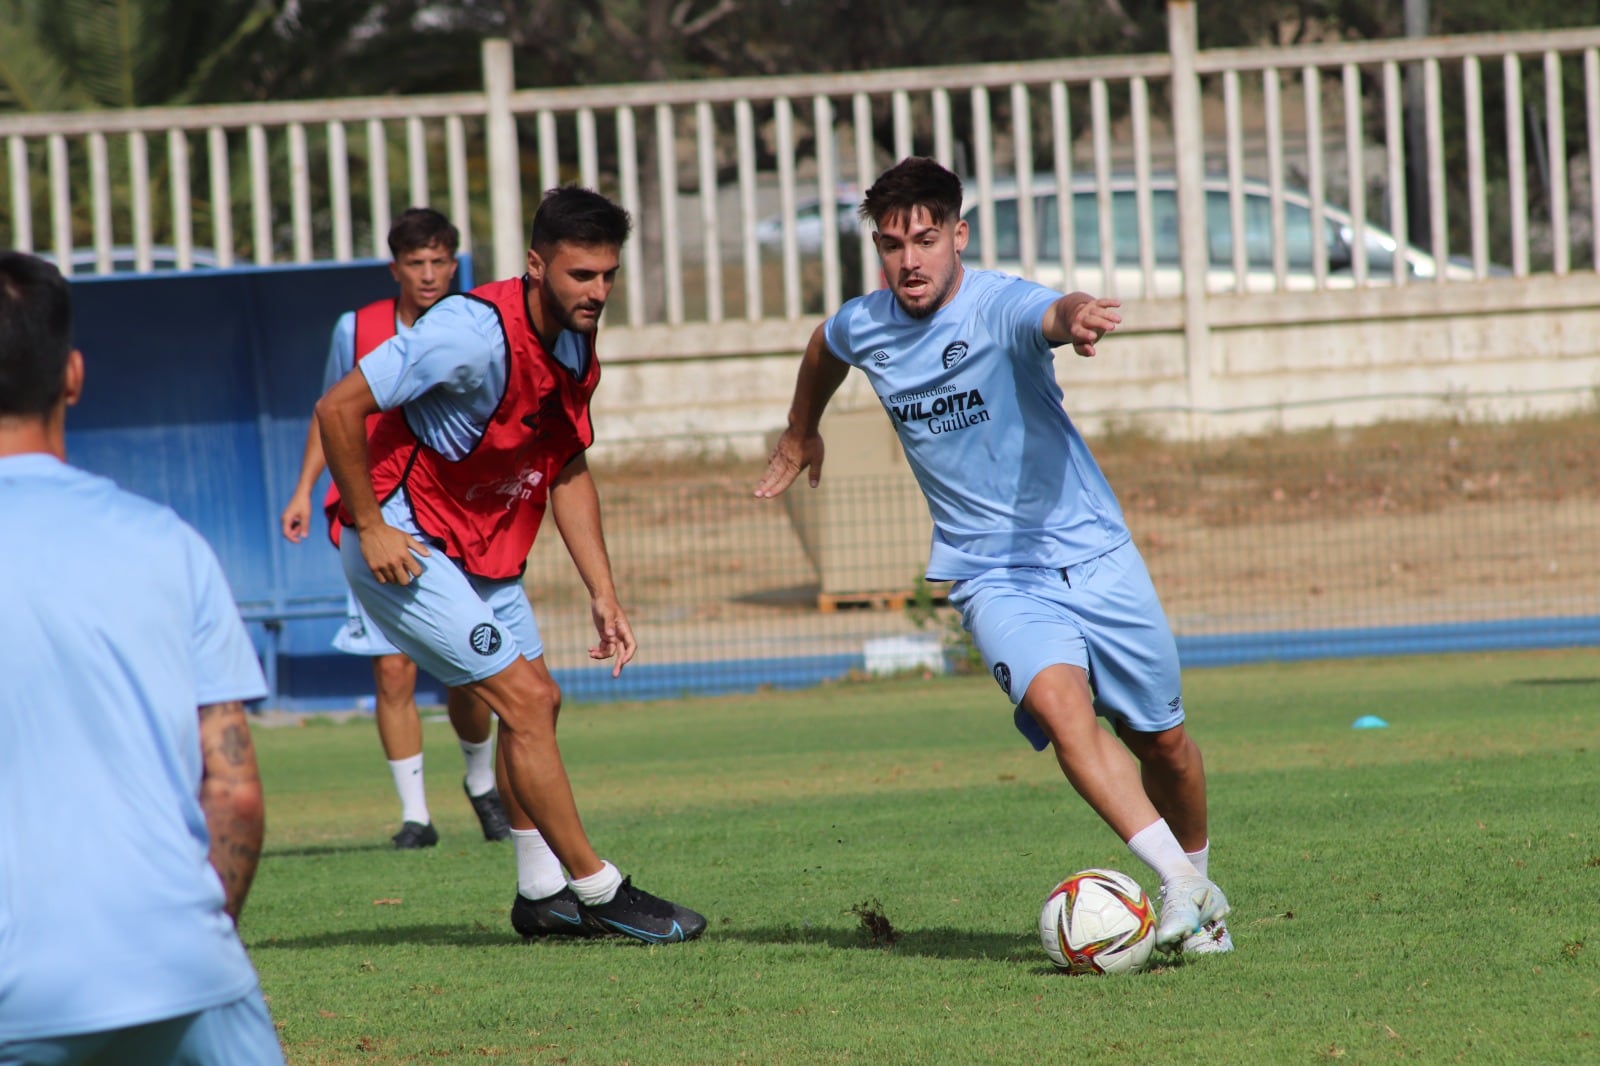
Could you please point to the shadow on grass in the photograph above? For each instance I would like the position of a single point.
(936, 943)
(318, 850)
(1556, 681)
(438, 934)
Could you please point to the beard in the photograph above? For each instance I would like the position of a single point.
(569, 320)
(933, 299)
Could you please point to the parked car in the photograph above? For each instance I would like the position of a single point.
(808, 223)
(125, 259)
(1337, 238)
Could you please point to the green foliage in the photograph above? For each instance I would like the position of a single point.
(927, 613)
(61, 55)
(1420, 893)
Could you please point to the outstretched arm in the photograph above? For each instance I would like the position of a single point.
(575, 502)
(230, 796)
(1082, 320)
(800, 447)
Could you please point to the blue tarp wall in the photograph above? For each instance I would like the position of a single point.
(198, 393)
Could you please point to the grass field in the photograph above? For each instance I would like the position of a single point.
(1429, 892)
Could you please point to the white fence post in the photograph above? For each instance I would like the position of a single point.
(1189, 144)
(505, 174)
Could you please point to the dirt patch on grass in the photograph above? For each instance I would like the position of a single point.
(1395, 524)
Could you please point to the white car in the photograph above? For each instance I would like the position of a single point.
(1337, 237)
(808, 224)
(125, 259)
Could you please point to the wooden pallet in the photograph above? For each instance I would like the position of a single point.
(829, 602)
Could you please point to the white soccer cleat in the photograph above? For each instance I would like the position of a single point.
(1212, 939)
(1187, 904)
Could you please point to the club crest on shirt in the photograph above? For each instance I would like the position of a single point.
(954, 354)
(1002, 676)
(485, 639)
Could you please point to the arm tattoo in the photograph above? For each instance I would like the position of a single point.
(230, 795)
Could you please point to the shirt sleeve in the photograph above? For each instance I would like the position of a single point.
(341, 351)
(225, 664)
(453, 347)
(1018, 309)
(836, 334)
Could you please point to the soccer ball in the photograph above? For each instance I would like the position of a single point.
(1098, 921)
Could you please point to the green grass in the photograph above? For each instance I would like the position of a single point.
(1427, 893)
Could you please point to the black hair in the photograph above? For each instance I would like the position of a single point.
(35, 334)
(914, 182)
(576, 215)
(422, 227)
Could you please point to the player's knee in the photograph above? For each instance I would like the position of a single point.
(395, 675)
(1170, 748)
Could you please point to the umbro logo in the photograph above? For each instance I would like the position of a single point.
(880, 356)
(954, 354)
(1175, 705)
(485, 639)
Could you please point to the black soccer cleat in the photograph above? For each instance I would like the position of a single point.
(557, 915)
(415, 835)
(636, 913)
(491, 813)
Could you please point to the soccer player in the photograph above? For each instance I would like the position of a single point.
(130, 803)
(486, 423)
(423, 243)
(1046, 576)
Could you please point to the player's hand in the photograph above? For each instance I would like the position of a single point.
(392, 554)
(295, 522)
(616, 635)
(1091, 321)
(793, 453)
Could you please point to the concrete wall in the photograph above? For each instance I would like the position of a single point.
(1501, 348)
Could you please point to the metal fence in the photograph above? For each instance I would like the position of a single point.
(1484, 139)
(1403, 538)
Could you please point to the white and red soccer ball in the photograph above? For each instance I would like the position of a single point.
(1098, 921)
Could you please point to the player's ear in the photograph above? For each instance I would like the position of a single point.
(72, 378)
(535, 265)
(961, 234)
(394, 271)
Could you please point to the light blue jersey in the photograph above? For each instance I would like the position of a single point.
(449, 372)
(116, 625)
(972, 393)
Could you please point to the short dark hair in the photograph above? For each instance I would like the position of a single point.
(35, 334)
(914, 182)
(422, 227)
(576, 215)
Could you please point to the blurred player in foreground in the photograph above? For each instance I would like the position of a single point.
(486, 422)
(1047, 578)
(130, 804)
(423, 244)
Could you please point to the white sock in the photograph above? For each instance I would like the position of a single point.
(408, 784)
(480, 765)
(598, 887)
(1201, 859)
(1157, 848)
(538, 870)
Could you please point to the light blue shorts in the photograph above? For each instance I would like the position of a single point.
(1102, 616)
(360, 635)
(235, 1034)
(457, 627)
